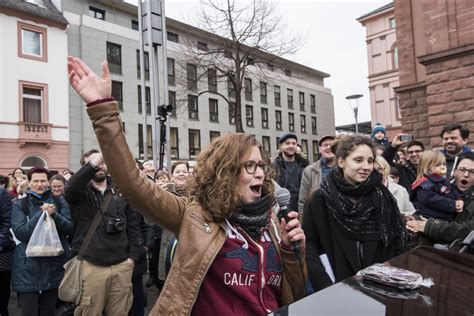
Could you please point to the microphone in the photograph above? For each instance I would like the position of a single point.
(282, 197)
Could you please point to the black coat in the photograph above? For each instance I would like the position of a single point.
(324, 237)
(407, 171)
(85, 201)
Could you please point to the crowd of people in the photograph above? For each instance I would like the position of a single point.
(214, 239)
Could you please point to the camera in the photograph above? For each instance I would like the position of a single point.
(114, 226)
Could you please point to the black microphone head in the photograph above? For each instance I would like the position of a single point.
(282, 197)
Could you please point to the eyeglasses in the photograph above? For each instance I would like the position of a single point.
(464, 170)
(251, 166)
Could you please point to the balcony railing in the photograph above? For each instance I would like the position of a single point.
(35, 133)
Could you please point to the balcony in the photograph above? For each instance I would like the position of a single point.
(35, 133)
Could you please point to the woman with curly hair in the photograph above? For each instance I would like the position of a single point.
(353, 220)
(233, 256)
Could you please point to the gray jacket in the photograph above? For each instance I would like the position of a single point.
(401, 196)
(310, 182)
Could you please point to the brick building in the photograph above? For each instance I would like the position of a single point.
(436, 66)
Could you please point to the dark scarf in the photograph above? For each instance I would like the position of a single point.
(253, 217)
(374, 216)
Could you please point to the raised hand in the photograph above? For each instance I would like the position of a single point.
(89, 86)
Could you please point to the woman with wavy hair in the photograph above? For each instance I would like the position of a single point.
(352, 221)
(233, 256)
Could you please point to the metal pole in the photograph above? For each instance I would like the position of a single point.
(165, 80)
(154, 81)
(142, 83)
(356, 110)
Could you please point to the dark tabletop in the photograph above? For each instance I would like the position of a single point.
(452, 293)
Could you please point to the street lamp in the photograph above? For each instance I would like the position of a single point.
(355, 107)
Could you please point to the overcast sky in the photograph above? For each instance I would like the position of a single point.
(334, 43)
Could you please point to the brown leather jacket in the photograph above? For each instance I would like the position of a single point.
(199, 241)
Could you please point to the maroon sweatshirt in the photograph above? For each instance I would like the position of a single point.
(244, 279)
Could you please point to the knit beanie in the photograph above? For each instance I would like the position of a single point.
(378, 128)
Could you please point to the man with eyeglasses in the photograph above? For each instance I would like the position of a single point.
(446, 232)
(407, 170)
(317, 171)
(289, 167)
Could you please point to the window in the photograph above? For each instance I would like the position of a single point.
(301, 94)
(172, 102)
(248, 89)
(391, 23)
(172, 37)
(395, 56)
(146, 59)
(303, 123)
(33, 161)
(202, 46)
(135, 25)
(213, 110)
(271, 67)
(96, 13)
(232, 113)
(171, 72)
(289, 92)
(194, 143)
(288, 72)
(148, 141)
(314, 126)
(315, 150)
(147, 100)
(278, 120)
(212, 79)
(32, 42)
(312, 100)
(230, 87)
(266, 148)
(213, 135)
(250, 61)
(114, 57)
(174, 148)
(33, 102)
(117, 93)
(291, 122)
(304, 147)
(249, 115)
(193, 107)
(191, 75)
(277, 95)
(263, 92)
(264, 118)
(227, 54)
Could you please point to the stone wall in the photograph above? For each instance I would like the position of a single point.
(436, 58)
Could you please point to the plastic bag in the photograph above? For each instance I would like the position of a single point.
(44, 242)
(393, 276)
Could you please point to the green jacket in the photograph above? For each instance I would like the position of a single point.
(447, 232)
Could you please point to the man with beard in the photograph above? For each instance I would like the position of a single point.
(455, 137)
(110, 257)
(463, 224)
(289, 167)
(407, 170)
(317, 171)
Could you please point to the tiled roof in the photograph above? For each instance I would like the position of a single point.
(43, 9)
(381, 9)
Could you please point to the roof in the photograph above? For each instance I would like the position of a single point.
(376, 11)
(40, 11)
(296, 66)
(364, 128)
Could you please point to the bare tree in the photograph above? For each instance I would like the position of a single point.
(244, 34)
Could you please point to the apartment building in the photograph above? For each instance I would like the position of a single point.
(283, 96)
(34, 113)
(382, 54)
